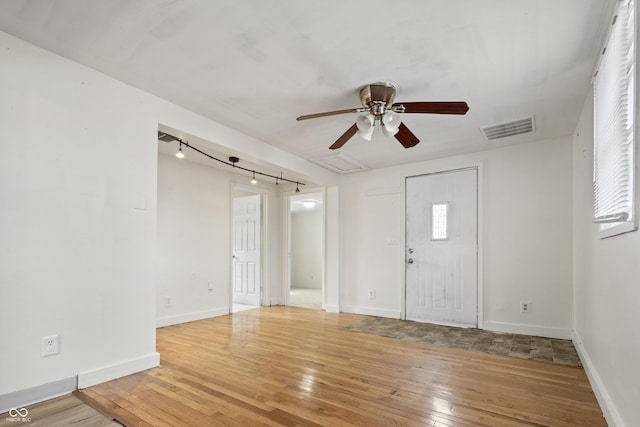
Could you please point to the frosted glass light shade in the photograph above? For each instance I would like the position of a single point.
(391, 121)
(365, 126)
(365, 122)
(388, 133)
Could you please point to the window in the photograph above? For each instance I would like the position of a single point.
(614, 127)
(439, 221)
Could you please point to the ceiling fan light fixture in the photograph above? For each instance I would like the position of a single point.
(391, 120)
(366, 134)
(378, 99)
(390, 123)
(365, 124)
(389, 131)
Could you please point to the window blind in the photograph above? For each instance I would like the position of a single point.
(614, 122)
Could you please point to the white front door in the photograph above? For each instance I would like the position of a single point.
(441, 253)
(246, 250)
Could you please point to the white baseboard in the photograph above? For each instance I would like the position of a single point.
(30, 396)
(371, 311)
(332, 308)
(606, 403)
(537, 331)
(190, 317)
(111, 372)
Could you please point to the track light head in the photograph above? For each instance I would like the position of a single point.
(180, 154)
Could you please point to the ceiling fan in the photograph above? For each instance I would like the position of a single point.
(377, 101)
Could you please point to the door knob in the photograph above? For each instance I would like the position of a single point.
(410, 250)
(410, 261)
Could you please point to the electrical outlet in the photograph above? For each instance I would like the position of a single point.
(210, 286)
(525, 307)
(372, 294)
(50, 345)
(168, 301)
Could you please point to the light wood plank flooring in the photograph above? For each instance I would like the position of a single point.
(61, 412)
(299, 367)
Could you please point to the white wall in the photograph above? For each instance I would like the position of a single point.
(525, 233)
(606, 294)
(194, 232)
(193, 240)
(306, 249)
(78, 217)
(78, 221)
(333, 249)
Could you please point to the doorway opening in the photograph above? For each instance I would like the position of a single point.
(247, 243)
(306, 250)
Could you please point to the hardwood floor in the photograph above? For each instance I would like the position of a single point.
(299, 367)
(60, 412)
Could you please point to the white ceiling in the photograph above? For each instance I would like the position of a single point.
(256, 65)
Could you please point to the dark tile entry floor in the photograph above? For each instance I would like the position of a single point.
(523, 346)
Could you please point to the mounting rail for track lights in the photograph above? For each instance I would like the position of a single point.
(165, 137)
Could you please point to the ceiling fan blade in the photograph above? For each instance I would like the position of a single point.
(433, 107)
(331, 113)
(406, 137)
(345, 137)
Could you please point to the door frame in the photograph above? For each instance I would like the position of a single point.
(286, 253)
(264, 239)
(480, 242)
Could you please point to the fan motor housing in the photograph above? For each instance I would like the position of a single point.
(383, 93)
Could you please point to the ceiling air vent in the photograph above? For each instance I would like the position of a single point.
(339, 163)
(504, 130)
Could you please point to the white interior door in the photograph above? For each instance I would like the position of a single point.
(441, 253)
(246, 250)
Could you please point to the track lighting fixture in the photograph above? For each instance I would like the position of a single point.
(180, 154)
(165, 137)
